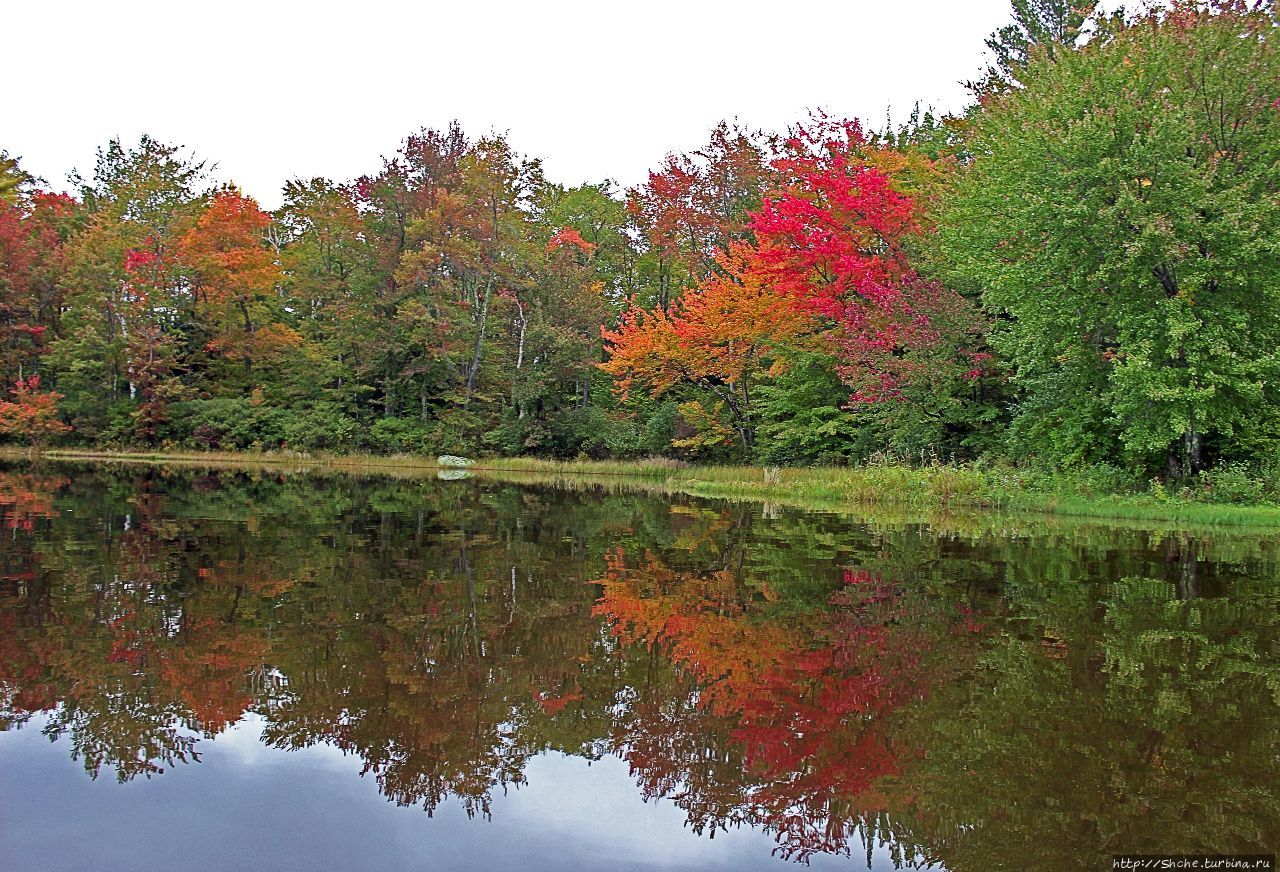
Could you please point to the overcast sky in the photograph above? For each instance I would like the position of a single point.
(275, 90)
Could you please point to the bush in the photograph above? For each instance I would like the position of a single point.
(581, 431)
(402, 436)
(1230, 483)
(320, 428)
(515, 436)
(222, 423)
(236, 423)
(118, 426)
(660, 430)
(588, 431)
(597, 433)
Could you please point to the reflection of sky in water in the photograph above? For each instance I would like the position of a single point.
(249, 806)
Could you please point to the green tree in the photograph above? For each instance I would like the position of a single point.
(130, 309)
(1051, 25)
(13, 179)
(324, 256)
(804, 415)
(1119, 217)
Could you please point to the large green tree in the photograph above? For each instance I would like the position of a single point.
(1120, 217)
(130, 309)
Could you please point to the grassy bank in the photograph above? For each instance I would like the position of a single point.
(915, 490)
(937, 487)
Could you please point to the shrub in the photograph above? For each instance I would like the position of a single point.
(660, 430)
(320, 428)
(402, 436)
(224, 422)
(1230, 483)
(580, 431)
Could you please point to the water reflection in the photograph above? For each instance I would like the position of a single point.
(1003, 698)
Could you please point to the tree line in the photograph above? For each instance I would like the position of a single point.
(1082, 267)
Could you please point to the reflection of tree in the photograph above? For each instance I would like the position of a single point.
(1150, 730)
(798, 710)
(440, 636)
(128, 669)
(26, 497)
(26, 501)
(970, 700)
(429, 674)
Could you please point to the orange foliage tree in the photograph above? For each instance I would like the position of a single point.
(235, 273)
(722, 338)
(33, 414)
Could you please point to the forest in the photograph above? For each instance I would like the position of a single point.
(1081, 270)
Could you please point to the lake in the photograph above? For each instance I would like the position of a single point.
(252, 669)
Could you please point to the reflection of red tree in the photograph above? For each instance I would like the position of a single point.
(24, 498)
(26, 665)
(209, 672)
(26, 670)
(804, 703)
(552, 704)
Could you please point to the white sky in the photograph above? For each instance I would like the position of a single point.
(275, 90)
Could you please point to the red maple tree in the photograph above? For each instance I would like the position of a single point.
(834, 240)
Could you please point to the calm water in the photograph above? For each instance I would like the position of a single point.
(231, 670)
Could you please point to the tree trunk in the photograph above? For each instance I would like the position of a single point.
(248, 329)
(523, 323)
(524, 326)
(482, 324)
(1184, 459)
(1182, 562)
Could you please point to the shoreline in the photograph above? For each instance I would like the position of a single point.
(912, 492)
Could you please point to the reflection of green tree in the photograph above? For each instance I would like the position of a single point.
(1150, 730)
(429, 666)
(1202, 679)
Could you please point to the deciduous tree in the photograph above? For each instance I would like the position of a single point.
(32, 414)
(721, 339)
(1120, 219)
(235, 278)
(835, 242)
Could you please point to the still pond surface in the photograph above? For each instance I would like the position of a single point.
(250, 670)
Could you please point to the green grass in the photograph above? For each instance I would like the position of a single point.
(912, 493)
(940, 488)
